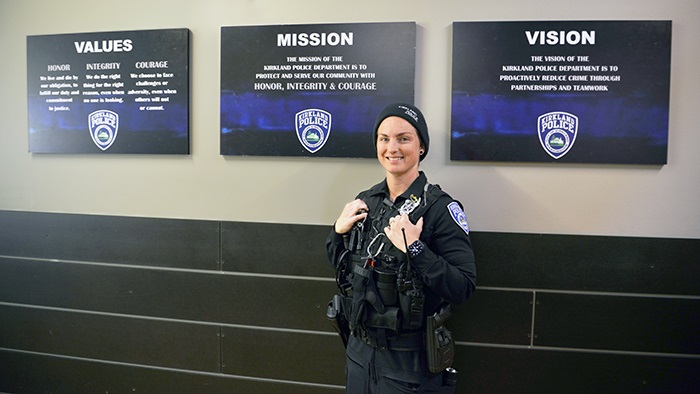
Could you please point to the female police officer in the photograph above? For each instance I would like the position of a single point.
(402, 254)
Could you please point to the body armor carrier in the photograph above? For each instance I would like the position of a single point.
(381, 294)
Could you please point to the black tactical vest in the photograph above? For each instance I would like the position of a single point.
(381, 292)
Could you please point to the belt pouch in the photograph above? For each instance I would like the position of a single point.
(386, 285)
(359, 285)
(388, 320)
(411, 303)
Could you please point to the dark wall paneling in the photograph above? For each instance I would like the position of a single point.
(130, 340)
(41, 373)
(589, 263)
(126, 290)
(229, 299)
(173, 243)
(642, 324)
(275, 302)
(283, 355)
(503, 370)
(283, 249)
(209, 306)
(475, 321)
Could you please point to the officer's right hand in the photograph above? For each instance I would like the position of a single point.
(353, 211)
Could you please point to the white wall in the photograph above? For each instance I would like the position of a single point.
(602, 200)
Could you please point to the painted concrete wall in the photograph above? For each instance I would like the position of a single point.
(656, 201)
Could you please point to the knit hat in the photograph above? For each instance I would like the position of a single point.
(412, 115)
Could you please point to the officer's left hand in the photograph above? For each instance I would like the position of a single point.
(395, 235)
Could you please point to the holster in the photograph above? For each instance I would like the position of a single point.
(439, 343)
(336, 315)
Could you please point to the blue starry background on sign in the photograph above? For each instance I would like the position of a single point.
(260, 122)
(163, 131)
(627, 124)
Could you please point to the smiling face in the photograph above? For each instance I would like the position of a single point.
(398, 147)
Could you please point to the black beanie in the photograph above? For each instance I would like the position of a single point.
(412, 115)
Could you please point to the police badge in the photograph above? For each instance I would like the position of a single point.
(103, 125)
(557, 132)
(409, 205)
(313, 128)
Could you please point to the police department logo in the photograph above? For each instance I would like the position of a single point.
(103, 125)
(458, 215)
(557, 132)
(313, 128)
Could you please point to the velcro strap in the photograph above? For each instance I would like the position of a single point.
(363, 272)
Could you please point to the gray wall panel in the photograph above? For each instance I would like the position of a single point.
(274, 302)
(111, 239)
(127, 290)
(37, 373)
(595, 300)
(272, 248)
(588, 263)
(499, 370)
(284, 355)
(114, 338)
(232, 299)
(643, 324)
(493, 316)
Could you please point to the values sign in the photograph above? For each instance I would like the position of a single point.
(576, 92)
(110, 92)
(311, 90)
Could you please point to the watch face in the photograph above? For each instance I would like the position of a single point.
(415, 248)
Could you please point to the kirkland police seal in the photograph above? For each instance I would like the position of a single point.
(103, 125)
(557, 132)
(458, 215)
(313, 128)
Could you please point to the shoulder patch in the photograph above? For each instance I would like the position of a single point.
(458, 215)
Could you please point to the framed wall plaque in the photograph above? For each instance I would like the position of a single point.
(109, 92)
(311, 90)
(570, 91)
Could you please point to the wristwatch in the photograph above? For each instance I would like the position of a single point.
(416, 248)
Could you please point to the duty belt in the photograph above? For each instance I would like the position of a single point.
(407, 341)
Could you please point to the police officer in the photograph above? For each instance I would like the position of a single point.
(402, 252)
